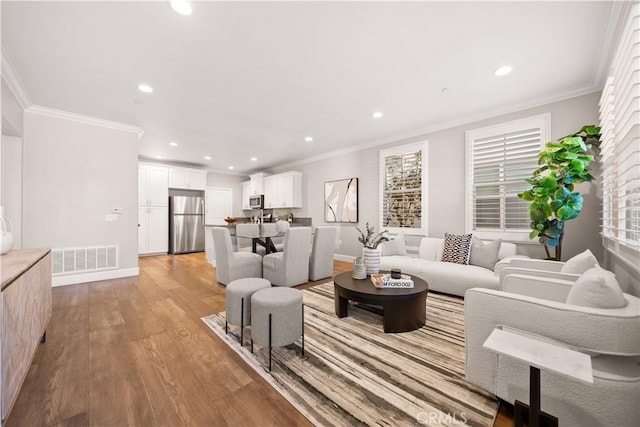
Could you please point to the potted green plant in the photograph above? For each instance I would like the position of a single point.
(370, 250)
(563, 164)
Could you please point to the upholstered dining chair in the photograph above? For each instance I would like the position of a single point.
(245, 233)
(233, 265)
(291, 266)
(322, 249)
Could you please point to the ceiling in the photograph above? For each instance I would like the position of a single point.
(236, 80)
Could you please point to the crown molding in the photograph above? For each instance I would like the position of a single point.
(615, 24)
(94, 121)
(466, 120)
(13, 81)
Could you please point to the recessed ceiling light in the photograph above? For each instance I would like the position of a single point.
(145, 88)
(502, 71)
(308, 138)
(207, 157)
(173, 144)
(231, 168)
(181, 6)
(254, 159)
(159, 157)
(377, 114)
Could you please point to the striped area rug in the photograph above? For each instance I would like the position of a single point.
(355, 374)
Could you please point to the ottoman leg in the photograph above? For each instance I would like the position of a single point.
(269, 342)
(241, 322)
(226, 327)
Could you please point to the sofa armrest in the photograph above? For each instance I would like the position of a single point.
(549, 289)
(537, 264)
(537, 273)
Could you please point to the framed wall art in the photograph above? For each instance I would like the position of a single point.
(341, 200)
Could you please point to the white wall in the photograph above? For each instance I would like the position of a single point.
(229, 181)
(75, 173)
(446, 181)
(11, 199)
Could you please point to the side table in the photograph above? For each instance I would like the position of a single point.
(538, 354)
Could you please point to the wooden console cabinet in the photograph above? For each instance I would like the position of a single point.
(25, 311)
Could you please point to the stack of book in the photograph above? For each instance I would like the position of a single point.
(386, 281)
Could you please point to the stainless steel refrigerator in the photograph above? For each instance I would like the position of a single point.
(186, 224)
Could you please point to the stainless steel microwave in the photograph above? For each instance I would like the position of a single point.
(256, 202)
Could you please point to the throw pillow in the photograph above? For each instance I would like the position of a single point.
(456, 248)
(580, 263)
(484, 254)
(597, 288)
(395, 246)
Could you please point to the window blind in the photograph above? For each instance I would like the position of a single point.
(402, 190)
(500, 164)
(620, 148)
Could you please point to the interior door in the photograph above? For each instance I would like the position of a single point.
(218, 205)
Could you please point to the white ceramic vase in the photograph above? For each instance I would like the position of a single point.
(371, 260)
(6, 235)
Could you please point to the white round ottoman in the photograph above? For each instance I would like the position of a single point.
(277, 318)
(238, 302)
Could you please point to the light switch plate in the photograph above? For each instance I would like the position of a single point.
(110, 217)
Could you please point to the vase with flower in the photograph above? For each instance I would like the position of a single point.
(370, 251)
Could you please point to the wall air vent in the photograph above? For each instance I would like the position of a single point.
(81, 260)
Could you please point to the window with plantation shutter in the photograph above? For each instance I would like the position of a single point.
(620, 148)
(403, 184)
(499, 160)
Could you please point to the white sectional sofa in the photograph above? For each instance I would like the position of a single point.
(446, 277)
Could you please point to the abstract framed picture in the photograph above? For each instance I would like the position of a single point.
(341, 200)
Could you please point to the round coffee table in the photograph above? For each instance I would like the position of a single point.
(403, 309)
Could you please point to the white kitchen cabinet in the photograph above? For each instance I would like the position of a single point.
(153, 209)
(153, 229)
(153, 185)
(218, 204)
(187, 179)
(283, 190)
(246, 193)
(257, 183)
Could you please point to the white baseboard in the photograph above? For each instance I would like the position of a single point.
(95, 276)
(345, 258)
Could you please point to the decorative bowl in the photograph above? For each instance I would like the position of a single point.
(230, 220)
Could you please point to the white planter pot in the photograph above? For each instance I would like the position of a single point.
(371, 260)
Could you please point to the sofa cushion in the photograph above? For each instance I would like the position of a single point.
(396, 246)
(431, 248)
(580, 263)
(484, 254)
(457, 248)
(597, 288)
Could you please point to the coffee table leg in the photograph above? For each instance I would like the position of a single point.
(341, 304)
(404, 316)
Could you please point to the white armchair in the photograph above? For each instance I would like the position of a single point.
(233, 265)
(291, 266)
(322, 250)
(537, 306)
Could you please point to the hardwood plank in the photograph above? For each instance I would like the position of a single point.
(105, 315)
(177, 396)
(139, 318)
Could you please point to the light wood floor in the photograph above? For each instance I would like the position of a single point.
(134, 352)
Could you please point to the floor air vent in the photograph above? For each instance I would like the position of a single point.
(80, 260)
